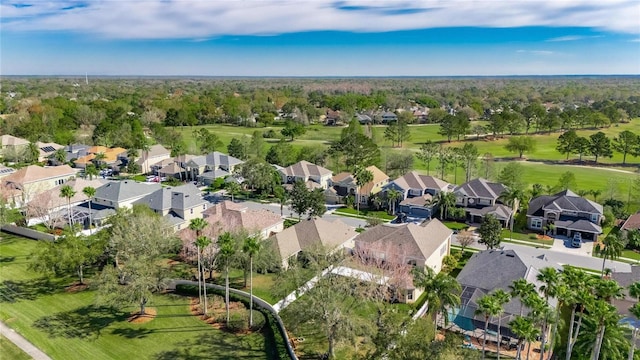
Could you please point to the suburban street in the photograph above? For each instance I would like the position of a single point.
(558, 253)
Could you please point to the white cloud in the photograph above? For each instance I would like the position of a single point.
(573, 38)
(200, 19)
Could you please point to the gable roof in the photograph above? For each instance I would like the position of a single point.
(156, 150)
(118, 191)
(52, 198)
(480, 188)
(48, 148)
(500, 211)
(310, 233)
(632, 222)
(416, 241)
(34, 173)
(305, 169)
(346, 177)
(414, 180)
(565, 200)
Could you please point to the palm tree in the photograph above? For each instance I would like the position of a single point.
(541, 314)
(634, 290)
(512, 198)
(201, 243)
(525, 330)
(281, 194)
(33, 152)
(90, 170)
(536, 190)
(232, 188)
(488, 306)
(60, 156)
(595, 193)
(90, 193)
(611, 248)
(635, 311)
(67, 192)
(251, 247)
(363, 177)
(583, 298)
(576, 282)
(501, 297)
(443, 291)
(564, 294)
(549, 277)
(226, 251)
(602, 314)
(393, 196)
(98, 159)
(522, 288)
(445, 200)
(197, 225)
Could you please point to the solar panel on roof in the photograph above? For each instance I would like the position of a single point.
(48, 148)
(7, 170)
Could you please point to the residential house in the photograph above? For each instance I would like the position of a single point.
(76, 151)
(112, 157)
(47, 150)
(11, 145)
(420, 115)
(155, 154)
(364, 119)
(123, 194)
(423, 245)
(171, 170)
(218, 165)
(487, 271)
(568, 212)
(230, 216)
(417, 191)
(178, 205)
(29, 181)
(333, 118)
(632, 222)
(480, 197)
(388, 117)
(311, 234)
(344, 184)
(625, 279)
(313, 175)
(49, 205)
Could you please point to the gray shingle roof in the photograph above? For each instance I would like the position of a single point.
(179, 197)
(118, 191)
(305, 169)
(217, 159)
(413, 180)
(564, 200)
(501, 212)
(481, 188)
(579, 225)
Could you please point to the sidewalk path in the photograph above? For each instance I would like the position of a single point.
(22, 343)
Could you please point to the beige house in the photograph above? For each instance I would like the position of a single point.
(313, 234)
(423, 245)
(178, 205)
(47, 149)
(230, 216)
(345, 184)
(311, 174)
(154, 155)
(9, 143)
(29, 181)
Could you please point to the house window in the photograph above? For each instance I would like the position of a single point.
(412, 263)
(536, 223)
(204, 206)
(191, 211)
(409, 295)
(594, 218)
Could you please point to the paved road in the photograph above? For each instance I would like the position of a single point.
(22, 343)
(560, 255)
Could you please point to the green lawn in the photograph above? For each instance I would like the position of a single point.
(454, 225)
(11, 351)
(73, 326)
(363, 212)
(525, 237)
(630, 254)
(262, 284)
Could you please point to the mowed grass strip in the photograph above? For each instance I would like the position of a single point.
(10, 351)
(73, 326)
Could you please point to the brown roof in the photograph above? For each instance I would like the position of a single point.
(9, 140)
(632, 223)
(418, 200)
(416, 241)
(305, 169)
(378, 177)
(34, 173)
(413, 180)
(310, 233)
(230, 216)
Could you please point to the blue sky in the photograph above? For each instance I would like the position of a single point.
(319, 38)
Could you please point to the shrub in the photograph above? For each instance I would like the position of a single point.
(238, 320)
(533, 236)
(259, 320)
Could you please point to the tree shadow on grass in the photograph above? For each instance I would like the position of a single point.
(133, 333)
(82, 323)
(12, 291)
(217, 345)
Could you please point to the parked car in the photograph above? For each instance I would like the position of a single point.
(576, 241)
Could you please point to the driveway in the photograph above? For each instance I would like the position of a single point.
(563, 244)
